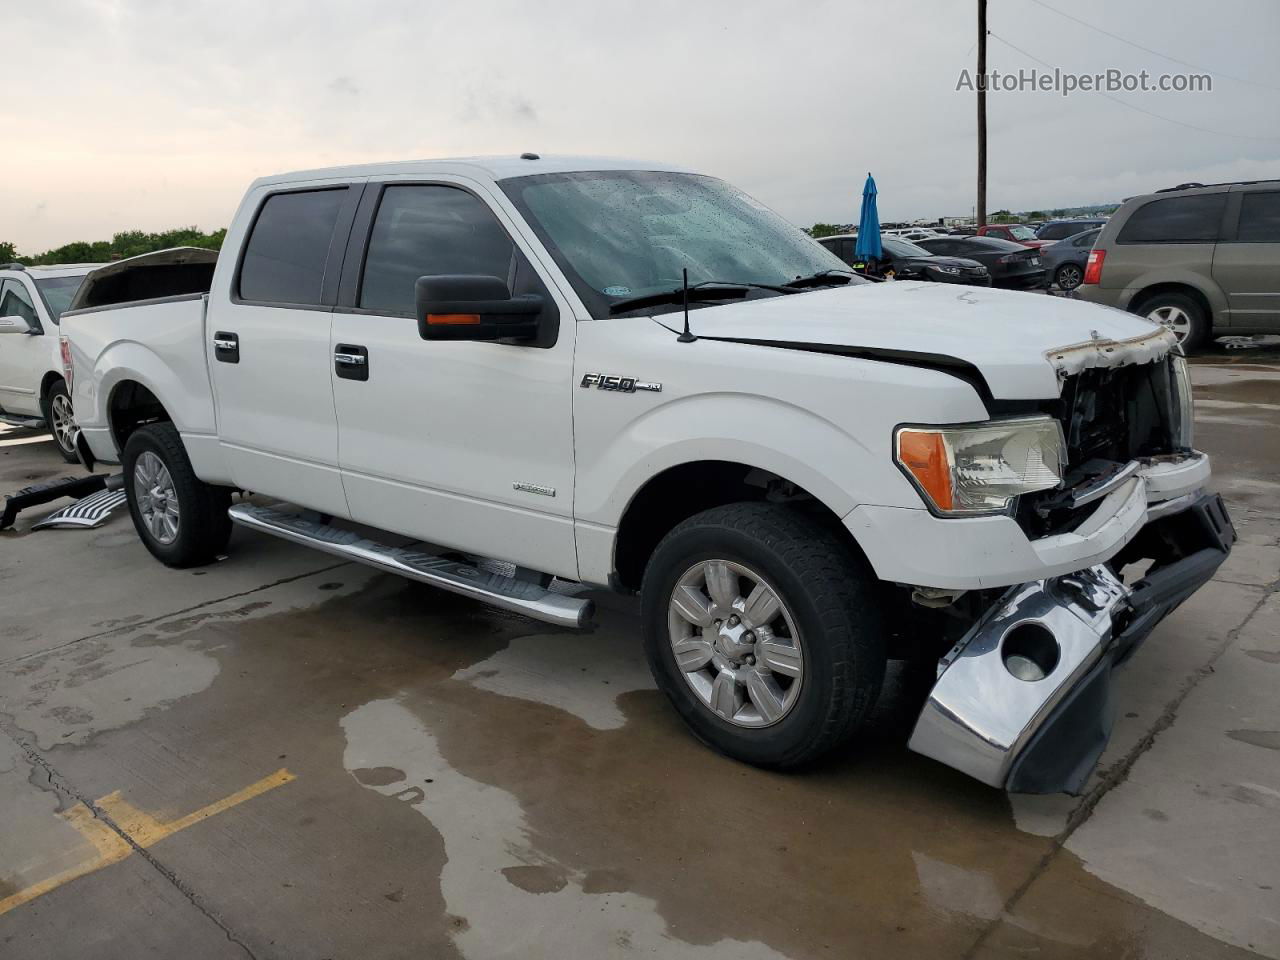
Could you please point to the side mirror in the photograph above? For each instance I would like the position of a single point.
(469, 307)
(16, 324)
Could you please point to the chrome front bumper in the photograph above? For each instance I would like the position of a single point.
(1022, 701)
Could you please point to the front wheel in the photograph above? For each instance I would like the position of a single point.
(58, 414)
(765, 631)
(181, 519)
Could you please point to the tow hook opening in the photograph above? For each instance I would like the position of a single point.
(1030, 651)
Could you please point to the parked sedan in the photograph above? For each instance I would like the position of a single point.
(910, 261)
(1017, 232)
(1010, 264)
(1065, 260)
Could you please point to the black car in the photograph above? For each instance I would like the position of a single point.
(1010, 264)
(909, 261)
(1061, 229)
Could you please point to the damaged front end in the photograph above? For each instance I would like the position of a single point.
(1022, 701)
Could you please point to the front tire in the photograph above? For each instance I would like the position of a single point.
(765, 631)
(61, 420)
(181, 519)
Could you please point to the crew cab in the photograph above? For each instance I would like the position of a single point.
(556, 374)
(33, 392)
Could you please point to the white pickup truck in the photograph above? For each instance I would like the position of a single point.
(33, 392)
(631, 376)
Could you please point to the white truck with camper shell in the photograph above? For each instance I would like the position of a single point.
(33, 392)
(624, 375)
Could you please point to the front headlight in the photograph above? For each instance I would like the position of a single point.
(1185, 431)
(982, 468)
(953, 271)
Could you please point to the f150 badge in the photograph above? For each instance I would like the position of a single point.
(618, 384)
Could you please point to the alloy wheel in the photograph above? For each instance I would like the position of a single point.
(64, 424)
(1069, 276)
(156, 497)
(1175, 318)
(736, 643)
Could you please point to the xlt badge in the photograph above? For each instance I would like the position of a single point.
(619, 384)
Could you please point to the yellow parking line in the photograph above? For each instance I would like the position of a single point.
(142, 828)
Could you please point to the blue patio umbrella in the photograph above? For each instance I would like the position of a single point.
(868, 246)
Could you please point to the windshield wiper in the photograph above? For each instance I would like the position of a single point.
(698, 293)
(821, 279)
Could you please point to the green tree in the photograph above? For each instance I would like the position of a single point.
(127, 243)
(823, 230)
(8, 252)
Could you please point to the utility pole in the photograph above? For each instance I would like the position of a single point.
(982, 113)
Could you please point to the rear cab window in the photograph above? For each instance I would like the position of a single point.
(1193, 219)
(287, 251)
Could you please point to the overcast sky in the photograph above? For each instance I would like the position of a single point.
(124, 114)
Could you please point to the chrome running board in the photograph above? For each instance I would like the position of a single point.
(508, 593)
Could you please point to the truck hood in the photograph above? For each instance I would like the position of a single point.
(1019, 344)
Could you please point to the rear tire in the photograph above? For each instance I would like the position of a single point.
(1182, 314)
(1068, 277)
(181, 519)
(58, 415)
(799, 681)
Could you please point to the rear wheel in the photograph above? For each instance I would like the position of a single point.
(1069, 276)
(1180, 313)
(61, 419)
(765, 631)
(181, 519)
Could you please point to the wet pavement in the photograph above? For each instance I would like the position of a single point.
(284, 756)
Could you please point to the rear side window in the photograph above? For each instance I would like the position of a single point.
(1259, 218)
(1057, 231)
(1086, 239)
(1176, 220)
(423, 230)
(285, 257)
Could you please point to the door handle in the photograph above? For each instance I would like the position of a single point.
(351, 361)
(226, 347)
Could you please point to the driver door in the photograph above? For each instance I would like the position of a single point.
(464, 444)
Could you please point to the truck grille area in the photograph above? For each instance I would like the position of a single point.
(1109, 417)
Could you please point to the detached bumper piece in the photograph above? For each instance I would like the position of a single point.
(1023, 701)
(46, 492)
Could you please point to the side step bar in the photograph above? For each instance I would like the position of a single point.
(509, 593)
(18, 420)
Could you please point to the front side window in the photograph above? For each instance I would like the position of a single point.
(58, 293)
(619, 234)
(285, 257)
(1259, 218)
(428, 229)
(16, 302)
(1194, 219)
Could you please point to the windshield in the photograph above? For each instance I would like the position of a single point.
(57, 293)
(898, 247)
(1020, 232)
(619, 234)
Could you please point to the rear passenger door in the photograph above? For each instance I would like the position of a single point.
(468, 445)
(1246, 264)
(269, 355)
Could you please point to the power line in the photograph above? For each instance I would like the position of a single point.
(1125, 103)
(1157, 53)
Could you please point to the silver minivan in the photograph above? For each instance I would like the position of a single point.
(1203, 260)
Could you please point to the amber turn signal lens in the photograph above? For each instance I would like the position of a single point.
(924, 454)
(452, 319)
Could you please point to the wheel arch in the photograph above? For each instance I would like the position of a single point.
(685, 489)
(130, 404)
(1151, 290)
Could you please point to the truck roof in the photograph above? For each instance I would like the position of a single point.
(492, 168)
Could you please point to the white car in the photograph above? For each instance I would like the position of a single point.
(33, 392)
(636, 377)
